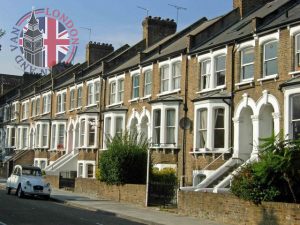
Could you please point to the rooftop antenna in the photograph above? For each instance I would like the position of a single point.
(145, 9)
(177, 8)
(90, 31)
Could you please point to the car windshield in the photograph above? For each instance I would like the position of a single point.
(31, 172)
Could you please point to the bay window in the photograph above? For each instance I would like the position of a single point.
(295, 116)
(211, 131)
(165, 125)
(86, 132)
(114, 124)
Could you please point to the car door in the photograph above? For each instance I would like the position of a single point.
(15, 177)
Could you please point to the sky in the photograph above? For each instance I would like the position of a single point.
(116, 22)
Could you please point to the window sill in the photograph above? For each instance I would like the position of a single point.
(115, 104)
(245, 82)
(168, 92)
(294, 73)
(271, 77)
(45, 113)
(134, 100)
(24, 119)
(147, 97)
(210, 90)
(91, 105)
(208, 151)
(59, 113)
(164, 146)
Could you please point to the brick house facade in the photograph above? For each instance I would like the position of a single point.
(203, 96)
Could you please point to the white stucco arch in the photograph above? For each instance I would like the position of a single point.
(266, 106)
(133, 115)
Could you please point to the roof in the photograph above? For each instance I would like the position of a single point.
(241, 29)
(32, 18)
(293, 81)
(213, 95)
(167, 98)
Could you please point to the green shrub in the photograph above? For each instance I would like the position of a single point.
(275, 177)
(125, 161)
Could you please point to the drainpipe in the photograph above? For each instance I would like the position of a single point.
(185, 109)
(232, 92)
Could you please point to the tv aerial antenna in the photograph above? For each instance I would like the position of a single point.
(145, 9)
(88, 29)
(177, 7)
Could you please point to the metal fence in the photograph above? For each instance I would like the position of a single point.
(163, 194)
(67, 179)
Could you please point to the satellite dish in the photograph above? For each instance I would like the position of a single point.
(185, 123)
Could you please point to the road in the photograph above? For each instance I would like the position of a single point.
(31, 211)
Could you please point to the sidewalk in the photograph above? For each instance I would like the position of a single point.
(127, 211)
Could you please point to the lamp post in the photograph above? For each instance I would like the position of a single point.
(147, 177)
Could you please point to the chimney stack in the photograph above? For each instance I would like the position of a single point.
(246, 6)
(155, 29)
(96, 51)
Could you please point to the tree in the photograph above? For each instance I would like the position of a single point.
(275, 176)
(125, 161)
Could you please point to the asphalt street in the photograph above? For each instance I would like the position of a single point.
(31, 211)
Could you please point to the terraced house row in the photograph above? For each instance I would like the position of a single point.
(203, 96)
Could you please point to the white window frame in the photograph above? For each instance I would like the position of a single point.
(211, 106)
(20, 137)
(86, 132)
(91, 92)
(14, 113)
(163, 107)
(113, 116)
(170, 80)
(6, 113)
(72, 100)
(205, 75)
(25, 110)
(149, 84)
(242, 79)
(79, 100)
(212, 82)
(55, 139)
(115, 100)
(37, 106)
(39, 138)
(135, 74)
(47, 97)
(61, 106)
(84, 164)
(270, 59)
(9, 130)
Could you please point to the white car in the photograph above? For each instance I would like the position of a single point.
(27, 180)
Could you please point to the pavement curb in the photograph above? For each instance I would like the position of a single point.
(120, 215)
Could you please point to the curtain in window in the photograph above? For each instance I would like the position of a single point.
(170, 126)
(219, 128)
(203, 128)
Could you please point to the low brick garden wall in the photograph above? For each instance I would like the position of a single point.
(132, 193)
(53, 180)
(227, 209)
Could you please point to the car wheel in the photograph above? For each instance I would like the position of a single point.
(20, 192)
(8, 189)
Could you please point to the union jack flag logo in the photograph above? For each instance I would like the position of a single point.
(45, 41)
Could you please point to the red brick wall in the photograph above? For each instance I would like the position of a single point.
(132, 193)
(227, 209)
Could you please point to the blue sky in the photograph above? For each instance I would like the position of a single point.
(113, 21)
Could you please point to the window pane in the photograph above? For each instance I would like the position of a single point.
(205, 67)
(170, 126)
(296, 107)
(220, 63)
(90, 94)
(297, 44)
(248, 71)
(176, 70)
(112, 93)
(119, 125)
(202, 128)
(135, 86)
(156, 138)
(121, 90)
(91, 132)
(38, 106)
(271, 50)
(79, 97)
(248, 56)
(271, 67)
(53, 136)
(219, 128)
(164, 73)
(108, 126)
(90, 171)
(82, 132)
(220, 78)
(61, 136)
